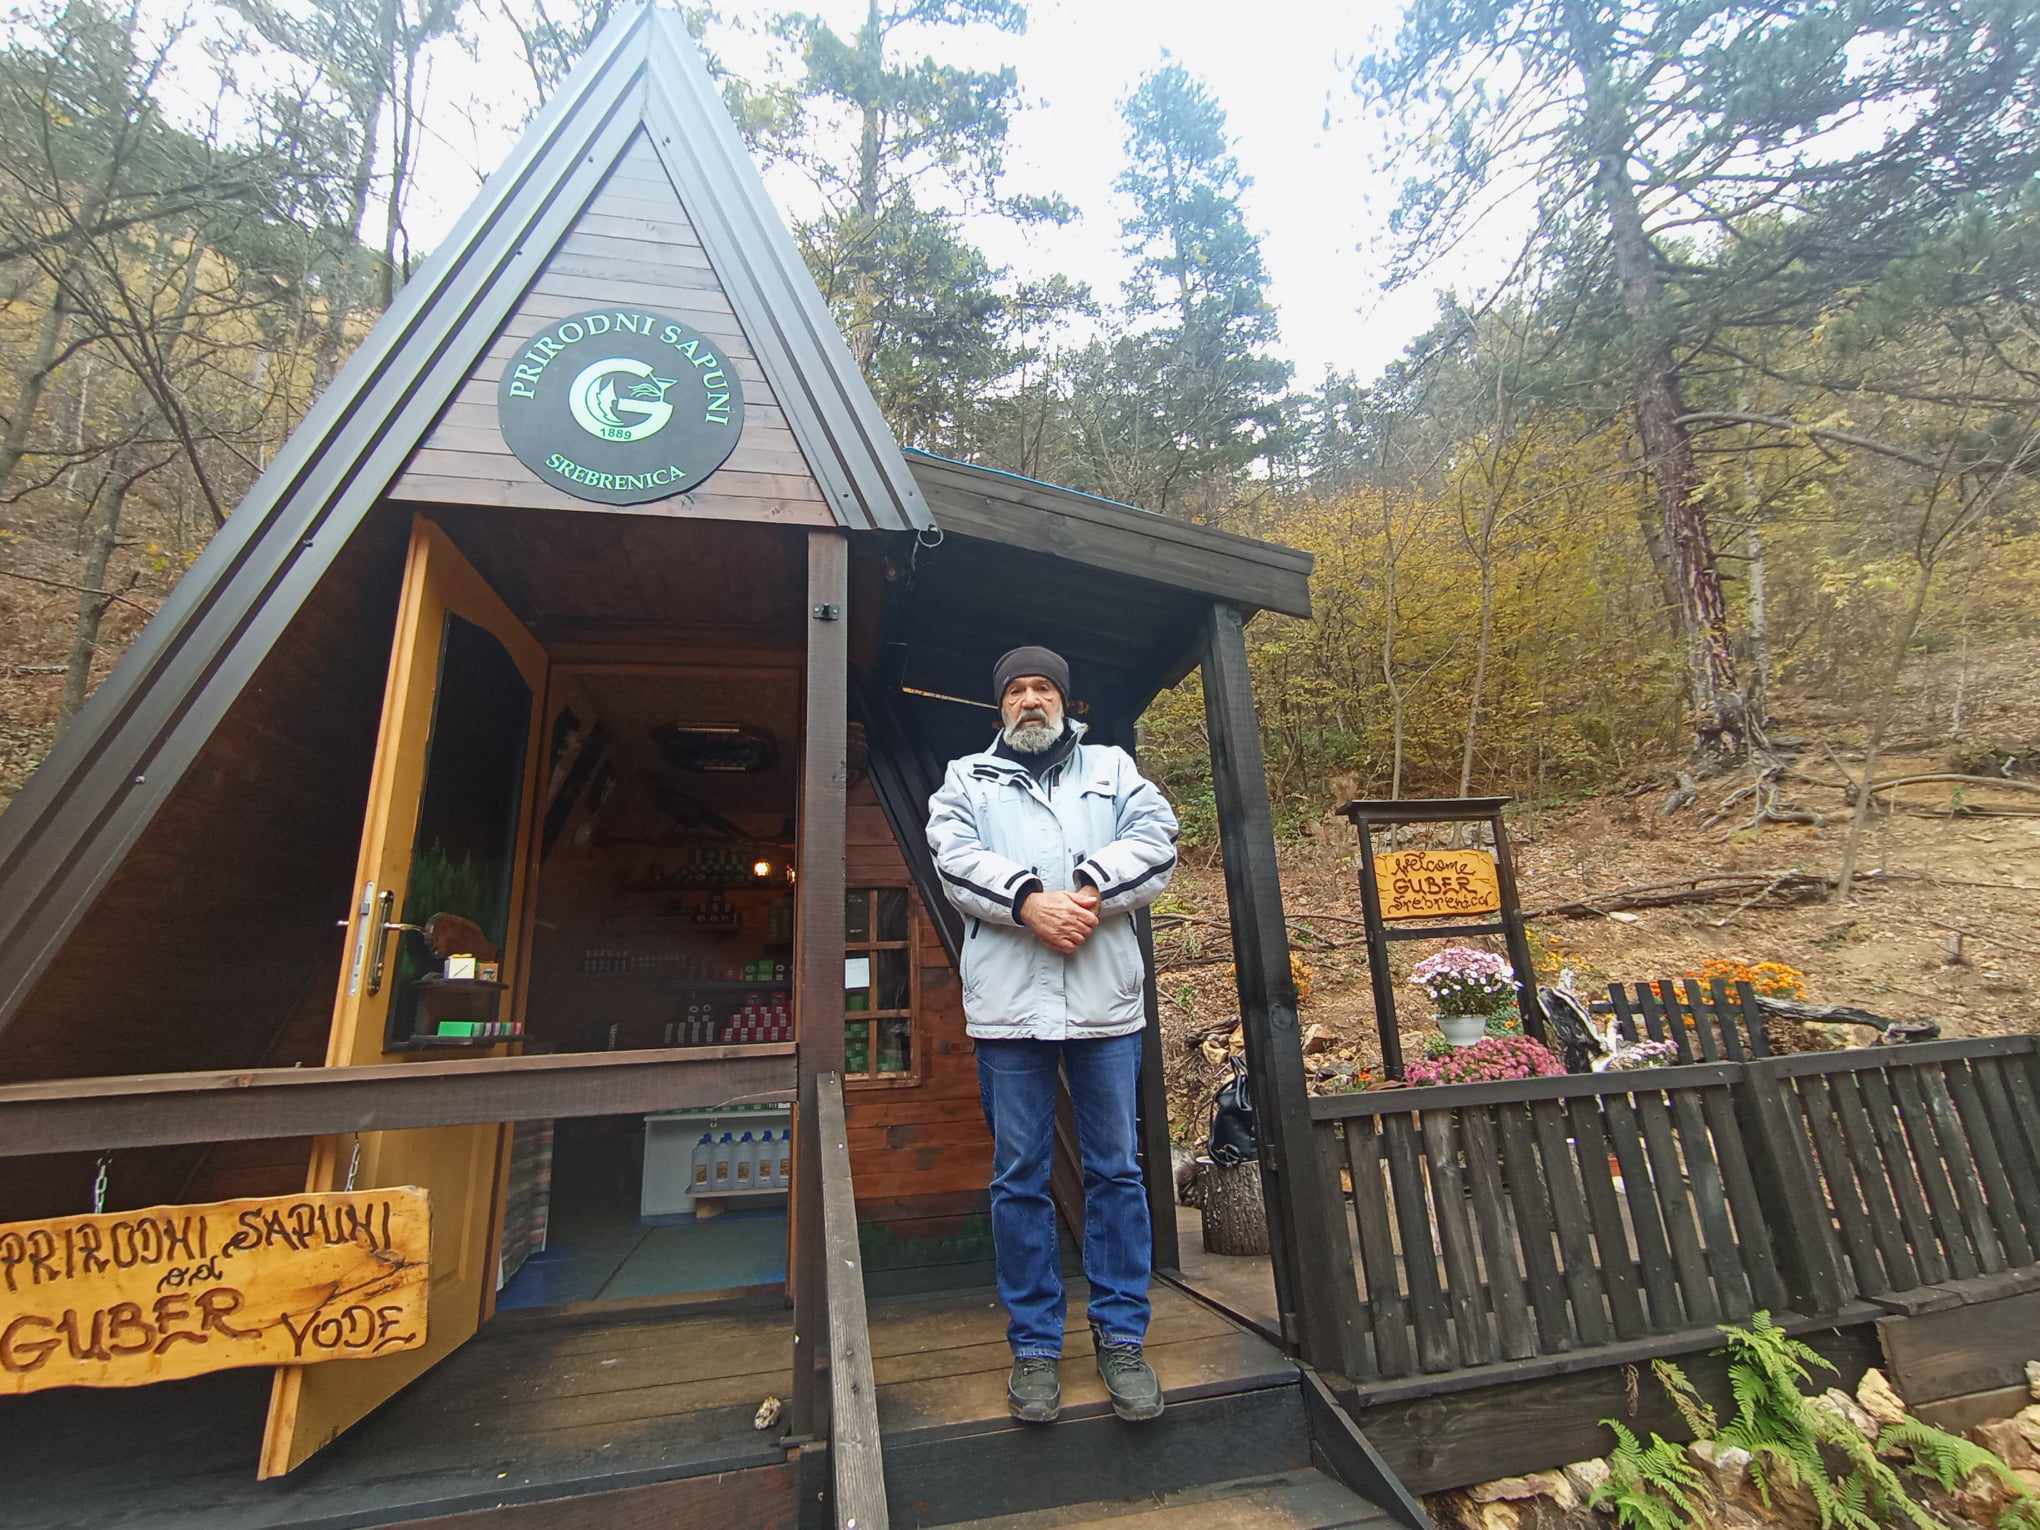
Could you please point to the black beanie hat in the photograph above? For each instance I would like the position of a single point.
(1030, 661)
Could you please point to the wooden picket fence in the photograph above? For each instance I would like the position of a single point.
(1501, 1223)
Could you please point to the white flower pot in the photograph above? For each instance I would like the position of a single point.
(1463, 1030)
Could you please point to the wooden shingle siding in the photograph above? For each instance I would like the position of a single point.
(633, 246)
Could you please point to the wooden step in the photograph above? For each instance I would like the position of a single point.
(1294, 1500)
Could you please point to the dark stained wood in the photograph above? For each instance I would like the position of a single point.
(1455, 1239)
(1533, 1223)
(1752, 1237)
(1435, 1350)
(1839, 1176)
(1516, 1337)
(1923, 1247)
(1569, 1216)
(1752, 1015)
(1717, 1017)
(1654, 1255)
(759, 1496)
(1710, 1202)
(1702, 1306)
(1900, 1272)
(1304, 1275)
(1378, 975)
(1336, 1107)
(1964, 1349)
(1661, 1015)
(1990, 1167)
(854, 1445)
(155, 1109)
(1387, 1313)
(1337, 1439)
(1994, 1079)
(1790, 1195)
(1960, 1157)
(1611, 1242)
(1704, 1024)
(818, 948)
(1350, 1335)
(1154, 1114)
(1928, 1161)
(1625, 1016)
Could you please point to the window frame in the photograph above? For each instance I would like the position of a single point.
(870, 947)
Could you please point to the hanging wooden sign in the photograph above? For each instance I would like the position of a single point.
(1429, 884)
(135, 1297)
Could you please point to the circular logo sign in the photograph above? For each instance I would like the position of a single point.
(620, 406)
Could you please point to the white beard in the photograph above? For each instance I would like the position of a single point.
(1032, 736)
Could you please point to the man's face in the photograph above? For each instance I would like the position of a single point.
(1032, 701)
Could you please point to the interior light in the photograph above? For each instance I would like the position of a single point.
(761, 868)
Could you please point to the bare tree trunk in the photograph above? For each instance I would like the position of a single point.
(1880, 724)
(1480, 660)
(32, 382)
(864, 299)
(93, 598)
(1760, 627)
(1389, 556)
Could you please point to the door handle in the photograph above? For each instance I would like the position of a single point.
(385, 904)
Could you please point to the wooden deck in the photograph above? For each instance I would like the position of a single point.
(535, 1409)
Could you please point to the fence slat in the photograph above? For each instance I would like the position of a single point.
(1710, 1200)
(1900, 1272)
(1625, 1018)
(1990, 1163)
(1839, 1174)
(1343, 1309)
(1533, 1222)
(2022, 1134)
(1664, 1022)
(1670, 1181)
(1569, 1212)
(1455, 1238)
(1660, 1283)
(1928, 1260)
(1420, 1262)
(1387, 1314)
(1933, 1171)
(1611, 1243)
(1704, 1030)
(1497, 1236)
(1960, 1158)
(1752, 1227)
(1710, 1001)
(1753, 1020)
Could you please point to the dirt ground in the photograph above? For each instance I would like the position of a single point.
(1927, 876)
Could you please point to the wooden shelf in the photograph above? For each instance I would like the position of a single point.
(440, 1043)
(748, 885)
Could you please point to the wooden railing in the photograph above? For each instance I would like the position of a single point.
(855, 1457)
(1503, 1223)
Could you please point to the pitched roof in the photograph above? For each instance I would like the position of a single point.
(66, 833)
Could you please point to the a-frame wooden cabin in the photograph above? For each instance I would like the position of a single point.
(646, 678)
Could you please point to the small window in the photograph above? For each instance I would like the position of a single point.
(881, 986)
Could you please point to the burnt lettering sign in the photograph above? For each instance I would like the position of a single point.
(1425, 884)
(134, 1297)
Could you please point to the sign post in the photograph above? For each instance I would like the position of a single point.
(1438, 884)
(132, 1297)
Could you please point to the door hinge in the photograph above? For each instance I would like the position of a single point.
(828, 613)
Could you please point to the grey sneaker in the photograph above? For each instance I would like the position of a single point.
(1136, 1395)
(1034, 1390)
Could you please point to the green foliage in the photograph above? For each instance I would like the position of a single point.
(1650, 1487)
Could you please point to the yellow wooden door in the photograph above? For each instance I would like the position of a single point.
(448, 831)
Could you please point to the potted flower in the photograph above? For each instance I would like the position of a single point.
(1469, 988)
(1493, 1059)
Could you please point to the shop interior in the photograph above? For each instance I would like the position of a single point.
(664, 918)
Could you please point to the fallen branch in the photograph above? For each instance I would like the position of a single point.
(1702, 889)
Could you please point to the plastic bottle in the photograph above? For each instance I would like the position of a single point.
(784, 1172)
(725, 1153)
(701, 1166)
(744, 1164)
(768, 1160)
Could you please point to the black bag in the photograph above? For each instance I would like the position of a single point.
(1235, 1132)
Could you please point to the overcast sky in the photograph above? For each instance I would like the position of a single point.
(1281, 68)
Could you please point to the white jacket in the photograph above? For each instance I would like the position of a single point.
(998, 834)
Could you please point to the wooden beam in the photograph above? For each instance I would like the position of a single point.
(1339, 1447)
(77, 1115)
(1325, 1315)
(855, 1451)
(818, 936)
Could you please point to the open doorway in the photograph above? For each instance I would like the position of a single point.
(664, 919)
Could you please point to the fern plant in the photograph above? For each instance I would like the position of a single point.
(1650, 1487)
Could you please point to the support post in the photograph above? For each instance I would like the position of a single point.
(818, 934)
(1317, 1315)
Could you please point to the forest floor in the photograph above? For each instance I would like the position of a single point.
(1927, 876)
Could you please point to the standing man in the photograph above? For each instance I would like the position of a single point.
(1048, 846)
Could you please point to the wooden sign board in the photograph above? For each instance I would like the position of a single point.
(135, 1297)
(1429, 884)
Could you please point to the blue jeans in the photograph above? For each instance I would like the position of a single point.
(1017, 1082)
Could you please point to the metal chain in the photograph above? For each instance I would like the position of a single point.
(99, 1183)
(353, 1163)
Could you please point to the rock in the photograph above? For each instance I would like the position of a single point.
(2009, 1440)
(1878, 1400)
(1586, 1477)
(1840, 1405)
(2033, 1379)
(1982, 1498)
(1471, 1509)
(1727, 1466)
(1317, 1041)
(1550, 1485)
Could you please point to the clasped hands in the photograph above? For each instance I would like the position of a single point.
(1062, 921)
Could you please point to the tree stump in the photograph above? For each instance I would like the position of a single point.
(1235, 1220)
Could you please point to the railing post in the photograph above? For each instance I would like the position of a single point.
(1308, 1293)
(1801, 1236)
(818, 935)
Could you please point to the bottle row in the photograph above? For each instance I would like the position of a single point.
(727, 1166)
